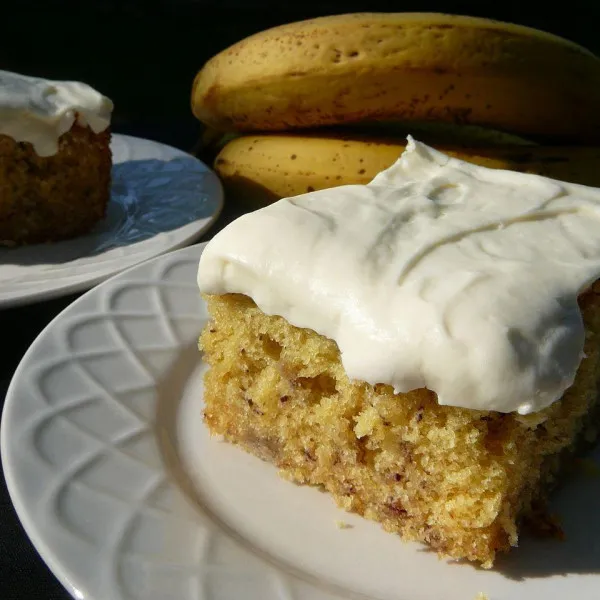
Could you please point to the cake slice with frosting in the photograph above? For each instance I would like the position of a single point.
(55, 159)
(423, 347)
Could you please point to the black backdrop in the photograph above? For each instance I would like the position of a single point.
(144, 55)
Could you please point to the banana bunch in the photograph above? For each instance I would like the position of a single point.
(329, 101)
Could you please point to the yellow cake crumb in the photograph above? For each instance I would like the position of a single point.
(342, 524)
(366, 422)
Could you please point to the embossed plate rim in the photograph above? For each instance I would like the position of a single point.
(16, 481)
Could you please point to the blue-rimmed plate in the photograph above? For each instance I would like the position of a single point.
(161, 199)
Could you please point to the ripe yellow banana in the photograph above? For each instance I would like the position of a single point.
(407, 66)
(260, 169)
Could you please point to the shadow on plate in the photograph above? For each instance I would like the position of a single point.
(576, 504)
(148, 198)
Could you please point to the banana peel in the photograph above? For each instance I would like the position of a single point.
(371, 67)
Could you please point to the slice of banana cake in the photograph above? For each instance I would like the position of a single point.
(423, 347)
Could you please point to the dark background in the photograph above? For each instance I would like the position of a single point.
(144, 55)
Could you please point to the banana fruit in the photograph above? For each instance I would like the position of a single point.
(261, 169)
(404, 66)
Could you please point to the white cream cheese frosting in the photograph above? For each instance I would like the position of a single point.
(438, 274)
(39, 111)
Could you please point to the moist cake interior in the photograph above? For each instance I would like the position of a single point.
(457, 479)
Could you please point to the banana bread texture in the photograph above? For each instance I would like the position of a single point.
(46, 199)
(457, 479)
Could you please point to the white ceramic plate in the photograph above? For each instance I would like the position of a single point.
(126, 497)
(162, 199)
